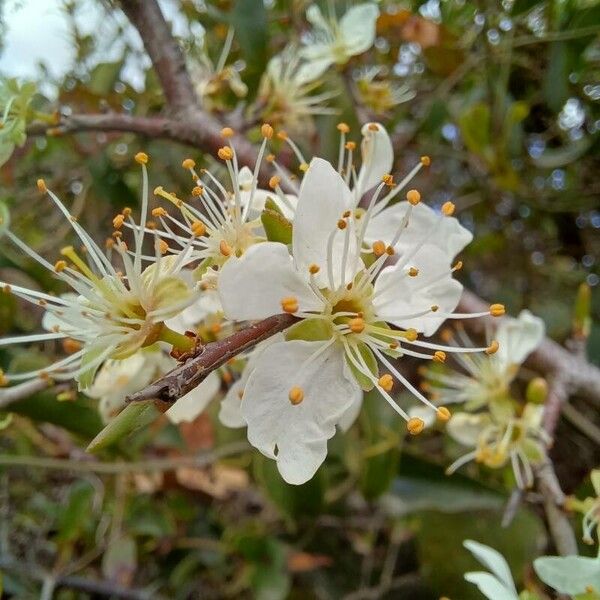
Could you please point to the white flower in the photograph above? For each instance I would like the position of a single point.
(301, 388)
(488, 378)
(501, 437)
(285, 95)
(110, 314)
(210, 79)
(228, 221)
(335, 42)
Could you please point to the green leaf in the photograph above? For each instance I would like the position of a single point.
(277, 227)
(369, 358)
(569, 574)
(79, 417)
(249, 19)
(103, 77)
(474, 125)
(521, 6)
(292, 500)
(75, 517)
(553, 158)
(7, 147)
(310, 330)
(4, 214)
(556, 80)
(120, 560)
(135, 416)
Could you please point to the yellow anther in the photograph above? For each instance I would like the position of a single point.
(163, 247)
(151, 225)
(497, 310)
(343, 127)
(158, 190)
(274, 181)
(227, 132)
(390, 251)
(109, 243)
(413, 272)
(224, 248)
(141, 158)
(378, 248)
(225, 153)
(439, 356)
(458, 266)
(197, 191)
(303, 167)
(492, 348)
(346, 214)
(415, 425)
(434, 308)
(314, 269)
(118, 221)
(425, 161)
(41, 186)
(159, 212)
(126, 212)
(226, 376)
(373, 127)
(70, 346)
(350, 145)
(188, 163)
(448, 208)
(411, 334)
(296, 395)
(60, 266)
(393, 345)
(386, 382)
(3, 379)
(413, 196)
(342, 224)
(198, 228)
(216, 328)
(282, 135)
(289, 304)
(443, 414)
(266, 131)
(388, 180)
(357, 325)
(7, 289)
(270, 158)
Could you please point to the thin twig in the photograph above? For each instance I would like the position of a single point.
(187, 376)
(116, 468)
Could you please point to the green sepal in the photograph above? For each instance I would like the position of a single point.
(131, 418)
(276, 226)
(369, 359)
(310, 330)
(201, 269)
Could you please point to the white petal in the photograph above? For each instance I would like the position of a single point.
(318, 59)
(188, 407)
(296, 436)
(465, 428)
(252, 287)
(207, 304)
(449, 235)
(231, 412)
(377, 157)
(323, 198)
(398, 294)
(358, 28)
(347, 419)
(315, 17)
(518, 338)
(490, 587)
(493, 560)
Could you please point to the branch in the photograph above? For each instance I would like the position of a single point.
(164, 52)
(191, 373)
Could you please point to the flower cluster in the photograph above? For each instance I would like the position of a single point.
(366, 276)
(495, 423)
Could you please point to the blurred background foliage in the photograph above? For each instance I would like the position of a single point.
(505, 98)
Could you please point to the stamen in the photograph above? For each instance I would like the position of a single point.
(225, 153)
(224, 248)
(378, 248)
(497, 310)
(492, 348)
(357, 325)
(141, 158)
(413, 196)
(413, 272)
(227, 132)
(443, 414)
(439, 356)
(188, 164)
(266, 131)
(448, 208)
(41, 186)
